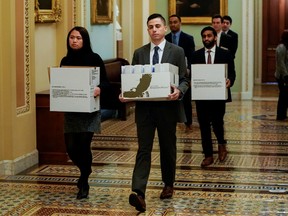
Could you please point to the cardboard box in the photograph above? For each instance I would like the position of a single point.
(149, 86)
(72, 89)
(208, 81)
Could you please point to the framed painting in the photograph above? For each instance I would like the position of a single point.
(197, 11)
(101, 11)
(47, 11)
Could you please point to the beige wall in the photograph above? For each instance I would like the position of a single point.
(24, 57)
(50, 44)
(17, 100)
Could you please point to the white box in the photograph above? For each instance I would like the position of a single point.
(163, 67)
(72, 89)
(148, 86)
(208, 82)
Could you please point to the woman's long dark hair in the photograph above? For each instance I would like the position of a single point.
(86, 40)
(284, 38)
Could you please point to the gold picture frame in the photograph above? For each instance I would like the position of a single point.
(197, 12)
(101, 11)
(47, 11)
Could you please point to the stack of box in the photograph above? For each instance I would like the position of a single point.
(148, 82)
(72, 89)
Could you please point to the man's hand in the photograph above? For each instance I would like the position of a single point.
(228, 83)
(175, 93)
(97, 92)
(122, 99)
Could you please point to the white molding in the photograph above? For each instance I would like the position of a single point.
(13, 167)
(247, 49)
(145, 15)
(245, 95)
(127, 11)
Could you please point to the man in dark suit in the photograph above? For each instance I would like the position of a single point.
(185, 41)
(160, 115)
(211, 112)
(227, 22)
(224, 41)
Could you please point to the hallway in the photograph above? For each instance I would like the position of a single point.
(253, 180)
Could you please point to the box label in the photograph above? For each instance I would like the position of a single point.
(72, 89)
(208, 82)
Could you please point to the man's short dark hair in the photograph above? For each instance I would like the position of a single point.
(175, 15)
(226, 17)
(209, 28)
(156, 15)
(217, 16)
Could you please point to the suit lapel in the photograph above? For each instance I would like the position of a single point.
(202, 56)
(166, 52)
(146, 54)
(180, 39)
(218, 55)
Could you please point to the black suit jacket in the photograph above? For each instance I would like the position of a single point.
(221, 57)
(227, 41)
(186, 41)
(234, 41)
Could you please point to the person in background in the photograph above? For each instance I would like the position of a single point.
(211, 112)
(80, 127)
(226, 27)
(224, 41)
(157, 115)
(281, 74)
(186, 41)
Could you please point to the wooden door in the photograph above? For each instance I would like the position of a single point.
(275, 20)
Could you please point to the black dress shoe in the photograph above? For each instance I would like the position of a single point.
(83, 192)
(80, 182)
(281, 118)
(167, 192)
(138, 202)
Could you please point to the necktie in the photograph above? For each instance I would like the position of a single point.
(209, 57)
(174, 39)
(155, 59)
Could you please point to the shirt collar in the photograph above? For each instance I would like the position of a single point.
(177, 34)
(161, 45)
(213, 49)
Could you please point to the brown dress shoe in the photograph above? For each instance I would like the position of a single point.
(207, 161)
(138, 202)
(188, 128)
(222, 152)
(167, 192)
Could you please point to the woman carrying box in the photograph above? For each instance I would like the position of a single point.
(80, 127)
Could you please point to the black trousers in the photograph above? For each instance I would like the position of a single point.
(78, 147)
(211, 113)
(146, 129)
(282, 100)
(188, 106)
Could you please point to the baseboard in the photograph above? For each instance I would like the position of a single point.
(12, 167)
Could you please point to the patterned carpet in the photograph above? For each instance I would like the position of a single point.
(253, 180)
